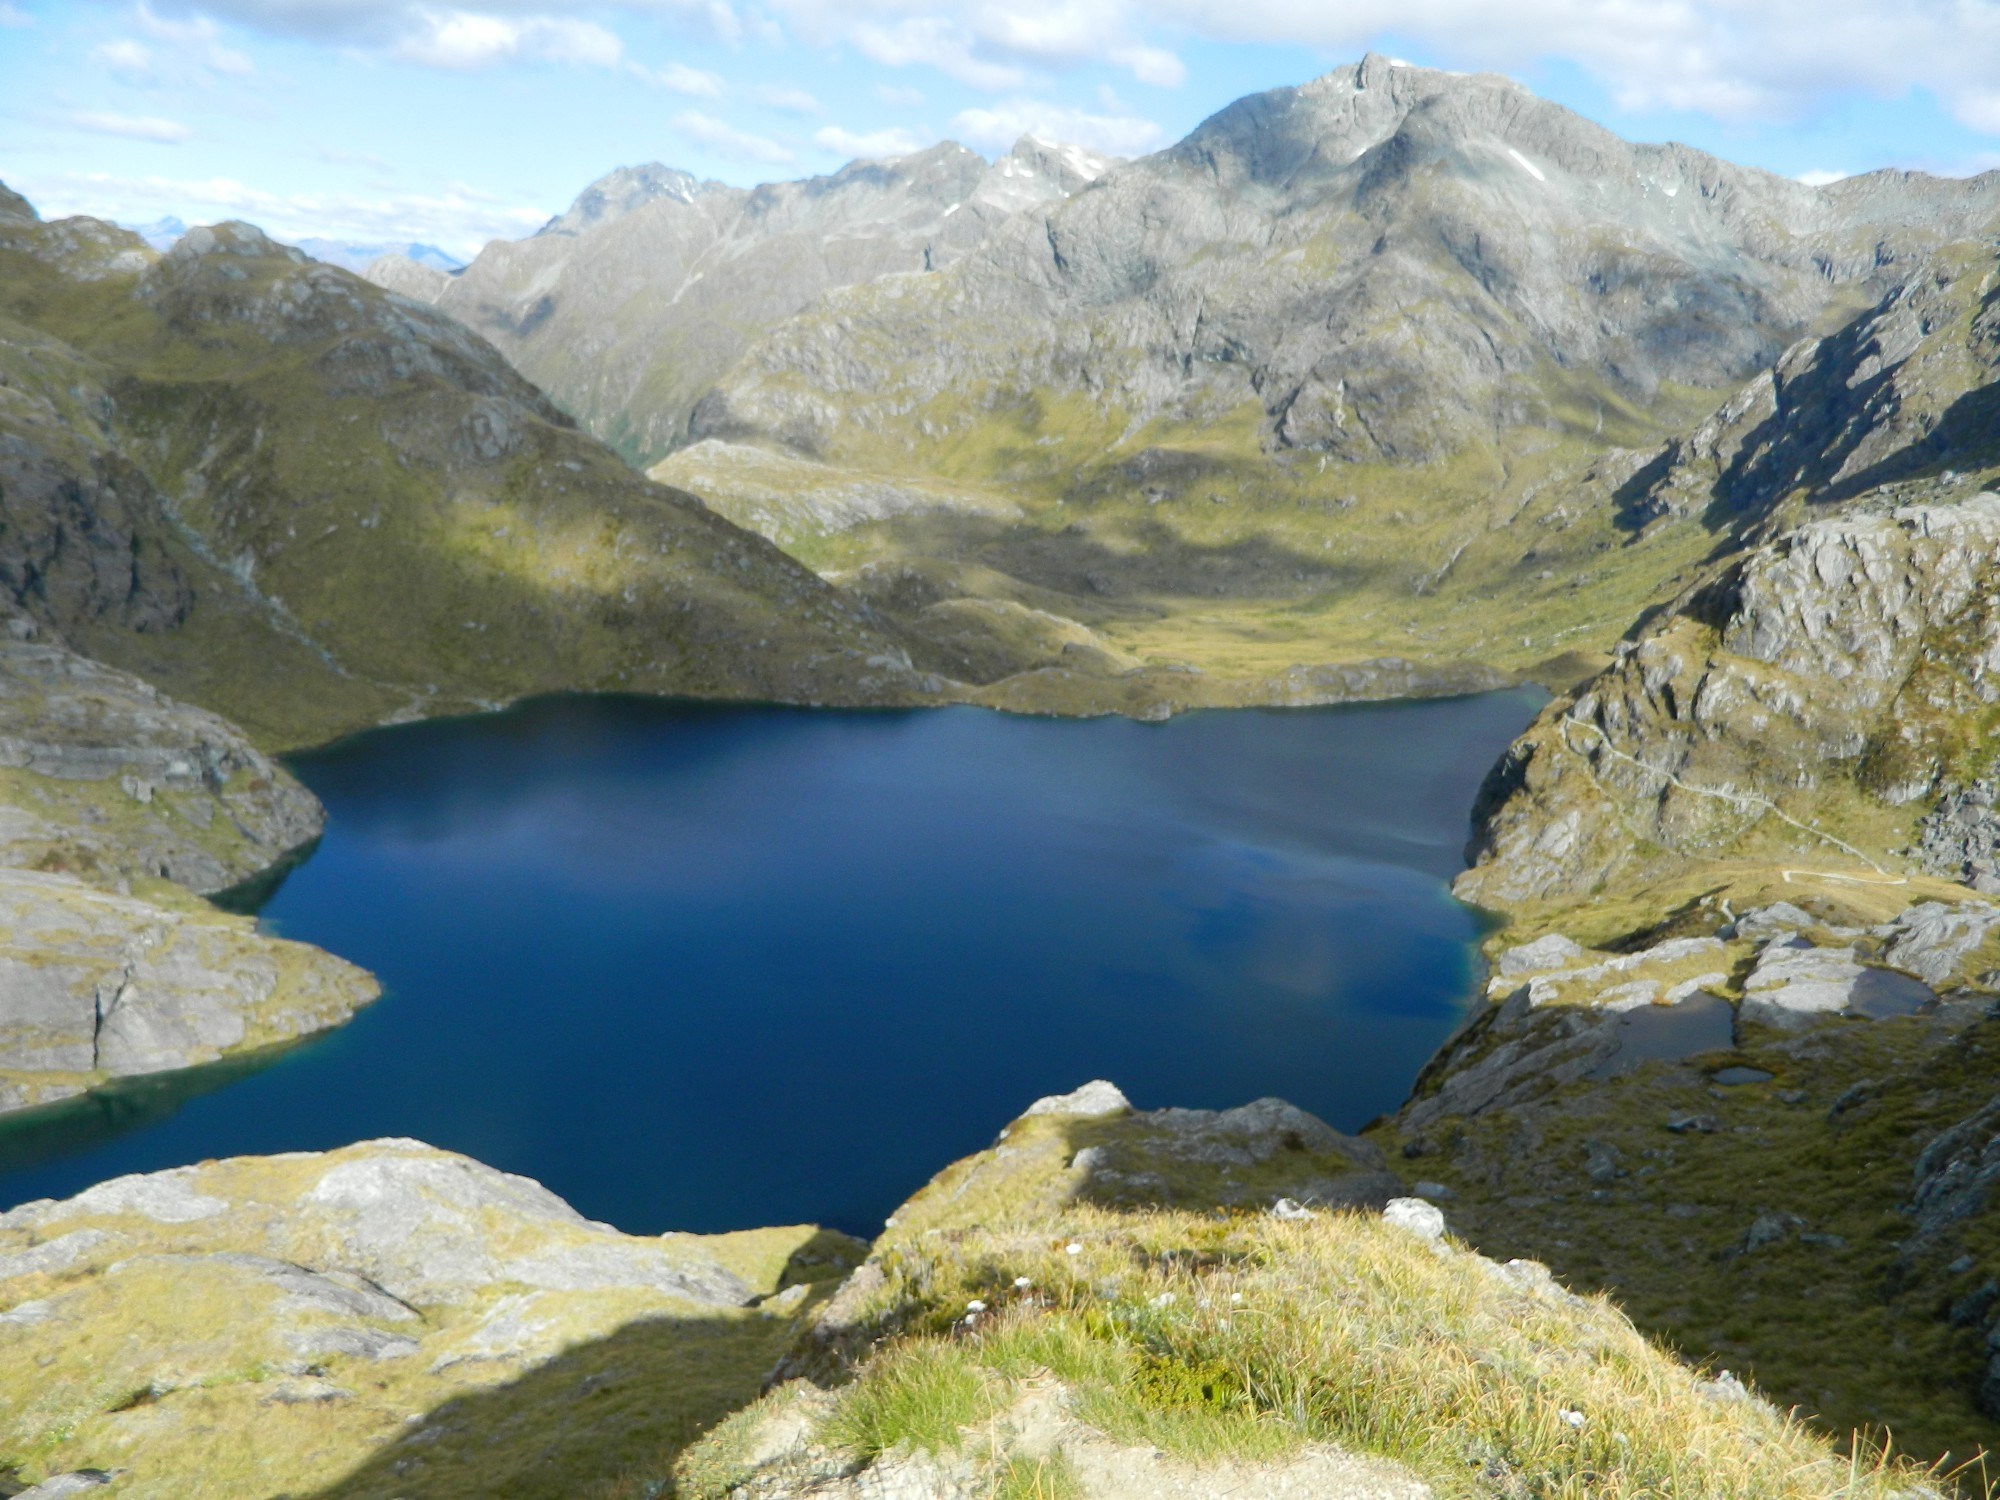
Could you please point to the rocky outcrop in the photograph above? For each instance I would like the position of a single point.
(1560, 1015)
(270, 1324)
(1885, 401)
(1745, 1097)
(1841, 661)
(95, 986)
(1959, 838)
(1091, 1146)
(104, 777)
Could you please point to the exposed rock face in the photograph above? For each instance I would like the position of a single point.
(1882, 401)
(1840, 659)
(257, 1300)
(279, 492)
(1560, 1015)
(628, 307)
(95, 986)
(408, 278)
(1960, 837)
(625, 190)
(102, 776)
(1783, 1094)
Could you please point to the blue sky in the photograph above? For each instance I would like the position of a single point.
(388, 120)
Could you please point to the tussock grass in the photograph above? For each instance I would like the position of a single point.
(1246, 1338)
(916, 1396)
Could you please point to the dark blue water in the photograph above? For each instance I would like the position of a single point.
(704, 968)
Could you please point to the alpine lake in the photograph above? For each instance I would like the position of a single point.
(701, 968)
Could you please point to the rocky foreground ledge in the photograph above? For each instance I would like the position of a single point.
(1768, 1126)
(1106, 1304)
(386, 1314)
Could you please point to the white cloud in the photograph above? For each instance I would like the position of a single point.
(124, 56)
(132, 127)
(1151, 65)
(792, 101)
(196, 41)
(681, 79)
(899, 98)
(999, 127)
(473, 33)
(719, 135)
(934, 42)
(1820, 178)
(1771, 60)
(14, 18)
(463, 39)
(1979, 109)
(869, 147)
(453, 218)
(1731, 59)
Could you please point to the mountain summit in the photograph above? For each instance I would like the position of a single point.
(601, 308)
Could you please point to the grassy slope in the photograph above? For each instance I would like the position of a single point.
(381, 523)
(1242, 1337)
(1242, 565)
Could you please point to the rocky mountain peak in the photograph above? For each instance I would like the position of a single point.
(231, 238)
(14, 206)
(1038, 171)
(618, 193)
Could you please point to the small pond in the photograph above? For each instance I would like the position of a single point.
(705, 967)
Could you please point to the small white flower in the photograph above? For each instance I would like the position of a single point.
(1165, 1299)
(1073, 1248)
(1574, 1418)
(1235, 1296)
(975, 1306)
(1022, 1282)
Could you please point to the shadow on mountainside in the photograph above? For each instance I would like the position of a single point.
(605, 1419)
(1966, 436)
(1081, 573)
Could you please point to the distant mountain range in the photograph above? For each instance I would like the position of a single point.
(349, 255)
(630, 306)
